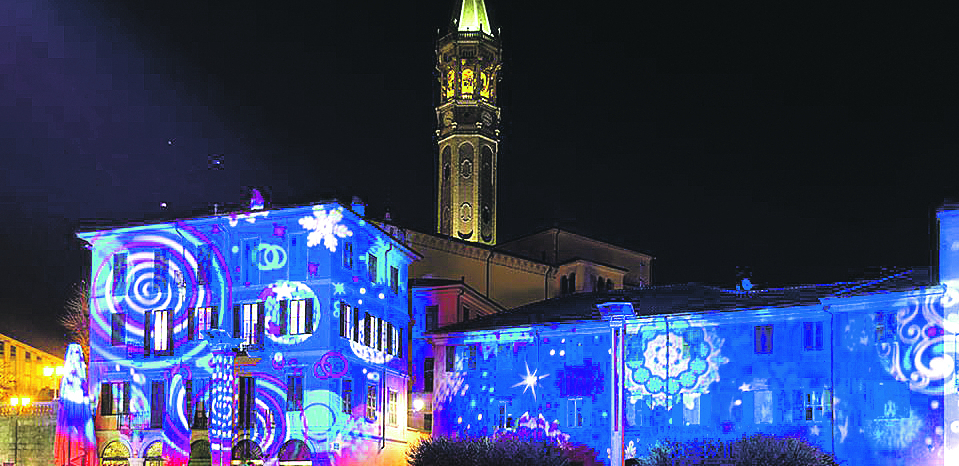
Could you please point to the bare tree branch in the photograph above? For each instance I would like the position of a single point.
(76, 319)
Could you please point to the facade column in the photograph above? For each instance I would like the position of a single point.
(221, 405)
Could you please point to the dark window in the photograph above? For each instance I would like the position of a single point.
(249, 268)
(472, 357)
(600, 284)
(248, 323)
(432, 317)
(348, 255)
(428, 375)
(563, 285)
(294, 393)
(812, 336)
(885, 326)
(379, 334)
(188, 401)
(2, 348)
(428, 422)
(395, 279)
(344, 319)
(203, 265)
(371, 266)
(764, 339)
(356, 325)
(466, 314)
(201, 320)
(399, 342)
(609, 284)
(118, 323)
(347, 396)
(119, 273)
(450, 358)
(27, 355)
(246, 410)
(114, 398)
(368, 329)
(391, 335)
(161, 267)
(157, 404)
(13, 351)
(299, 313)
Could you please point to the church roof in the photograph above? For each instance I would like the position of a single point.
(683, 298)
(473, 17)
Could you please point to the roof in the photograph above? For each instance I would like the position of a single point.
(473, 17)
(422, 283)
(691, 297)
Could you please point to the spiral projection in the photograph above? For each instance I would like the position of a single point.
(155, 272)
(917, 353)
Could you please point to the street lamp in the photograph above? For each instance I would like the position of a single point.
(19, 403)
(57, 372)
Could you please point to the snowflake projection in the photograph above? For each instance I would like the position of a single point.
(448, 387)
(630, 450)
(289, 291)
(661, 365)
(235, 218)
(325, 228)
(912, 342)
(530, 380)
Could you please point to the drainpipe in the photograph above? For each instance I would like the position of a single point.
(832, 381)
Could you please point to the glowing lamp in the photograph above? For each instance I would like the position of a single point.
(59, 370)
(418, 404)
(24, 401)
(382, 295)
(14, 401)
(47, 371)
(362, 290)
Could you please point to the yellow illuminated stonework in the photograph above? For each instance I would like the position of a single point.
(484, 84)
(450, 83)
(469, 83)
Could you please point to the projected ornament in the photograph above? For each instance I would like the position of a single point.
(325, 228)
(530, 381)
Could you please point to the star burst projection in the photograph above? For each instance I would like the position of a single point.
(660, 365)
(530, 380)
(325, 228)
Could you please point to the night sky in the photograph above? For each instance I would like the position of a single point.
(803, 140)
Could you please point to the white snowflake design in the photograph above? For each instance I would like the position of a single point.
(325, 228)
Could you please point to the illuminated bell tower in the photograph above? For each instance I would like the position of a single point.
(468, 61)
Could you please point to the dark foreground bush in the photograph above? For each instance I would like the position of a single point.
(444, 451)
(756, 450)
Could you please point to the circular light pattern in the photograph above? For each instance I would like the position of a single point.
(289, 291)
(915, 353)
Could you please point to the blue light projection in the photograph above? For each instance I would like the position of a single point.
(661, 365)
(75, 443)
(325, 227)
(289, 291)
(530, 380)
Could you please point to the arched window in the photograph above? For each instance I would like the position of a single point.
(247, 452)
(200, 452)
(563, 285)
(154, 454)
(572, 282)
(115, 454)
(609, 284)
(600, 284)
(466, 160)
(294, 453)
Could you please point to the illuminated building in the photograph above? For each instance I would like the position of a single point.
(862, 369)
(22, 371)
(272, 336)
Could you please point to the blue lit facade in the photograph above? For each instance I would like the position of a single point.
(865, 369)
(275, 336)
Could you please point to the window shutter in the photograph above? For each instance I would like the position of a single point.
(819, 335)
(126, 397)
(260, 308)
(356, 324)
(214, 318)
(106, 399)
(284, 304)
(236, 320)
(190, 323)
(309, 315)
(169, 333)
(146, 333)
(343, 318)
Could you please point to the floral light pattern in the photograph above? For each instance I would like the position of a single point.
(325, 228)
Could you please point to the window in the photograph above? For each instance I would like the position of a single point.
(26, 356)
(201, 320)
(885, 326)
(348, 254)
(246, 409)
(119, 273)
(395, 279)
(188, 401)
(572, 283)
(432, 317)
(118, 323)
(609, 284)
(345, 319)
(2, 348)
(203, 264)
(428, 364)
(367, 329)
(471, 362)
(764, 339)
(294, 393)
(346, 394)
(157, 404)
(371, 402)
(114, 398)
(450, 358)
(574, 413)
(812, 336)
(301, 316)
(501, 420)
(248, 322)
(390, 338)
(391, 401)
(466, 314)
(600, 284)
(563, 285)
(161, 268)
(762, 407)
(248, 261)
(13, 351)
(371, 267)
(379, 334)
(399, 342)
(428, 422)
(356, 325)
(691, 413)
(159, 337)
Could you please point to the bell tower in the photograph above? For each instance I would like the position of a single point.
(468, 62)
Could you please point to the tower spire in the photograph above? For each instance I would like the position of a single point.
(473, 17)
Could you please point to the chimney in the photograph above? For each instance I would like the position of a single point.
(358, 206)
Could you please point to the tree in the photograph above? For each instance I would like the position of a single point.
(8, 380)
(76, 319)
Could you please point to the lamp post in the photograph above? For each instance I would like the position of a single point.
(56, 372)
(19, 403)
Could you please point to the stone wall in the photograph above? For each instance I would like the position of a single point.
(27, 439)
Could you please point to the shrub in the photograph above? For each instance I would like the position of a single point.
(444, 451)
(756, 450)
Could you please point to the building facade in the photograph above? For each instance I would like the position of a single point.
(266, 336)
(26, 371)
